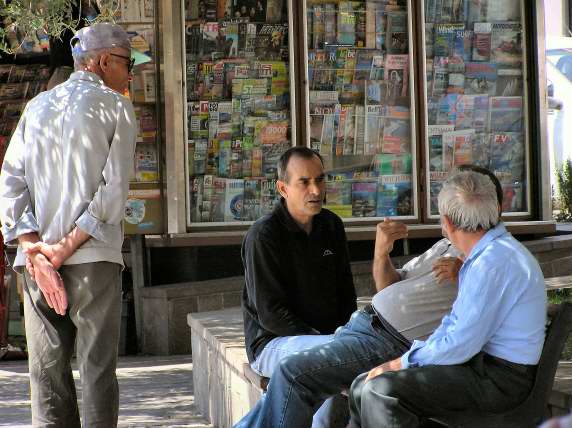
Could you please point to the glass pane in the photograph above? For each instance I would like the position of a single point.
(359, 94)
(238, 109)
(475, 93)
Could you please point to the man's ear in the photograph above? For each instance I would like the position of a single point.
(448, 224)
(281, 187)
(103, 62)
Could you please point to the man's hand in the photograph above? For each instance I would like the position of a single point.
(55, 253)
(447, 269)
(49, 281)
(387, 233)
(390, 366)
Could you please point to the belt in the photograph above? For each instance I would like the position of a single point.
(525, 369)
(379, 323)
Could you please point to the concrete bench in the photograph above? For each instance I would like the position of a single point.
(226, 388)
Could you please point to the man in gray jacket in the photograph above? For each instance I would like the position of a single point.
(63, 187)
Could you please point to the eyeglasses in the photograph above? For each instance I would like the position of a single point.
(131, 61)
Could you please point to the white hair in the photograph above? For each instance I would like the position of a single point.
(469, 200)
(82, 59)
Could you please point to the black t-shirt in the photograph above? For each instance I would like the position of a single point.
(295, 283)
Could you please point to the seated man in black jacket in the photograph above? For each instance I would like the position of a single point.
(299, 285)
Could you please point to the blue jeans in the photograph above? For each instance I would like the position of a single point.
(302, 381)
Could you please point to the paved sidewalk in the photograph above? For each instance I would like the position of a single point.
(154, 392)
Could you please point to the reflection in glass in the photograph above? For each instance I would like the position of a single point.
(358, 74)
(238, 105)
(474, 60)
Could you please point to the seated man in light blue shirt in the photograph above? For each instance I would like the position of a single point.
(484, 354)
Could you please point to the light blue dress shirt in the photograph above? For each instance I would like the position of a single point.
(500, 308)
(68, 164)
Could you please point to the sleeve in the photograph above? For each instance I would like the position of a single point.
(267, 290)
(16, 211)
(477, 313)
(346, 288)
(104, 214)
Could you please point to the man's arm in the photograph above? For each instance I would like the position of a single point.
(16, 213)
(59, 252)
(104, 214)
(387, 232)
(267, 290)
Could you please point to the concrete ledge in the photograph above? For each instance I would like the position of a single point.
(222, 392)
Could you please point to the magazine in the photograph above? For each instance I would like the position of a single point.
(449, 40)
(339, 197)
(482, 41)
(394, 197)
(396, 41)
(506, 44)
(396, 136)
(506, 114)
(507, 155)
(389, 164)
(480, 78)
(440, 75)
(457, 148)
(268, 196)
(364, 198)
(509, 82)
(436, 179)
(374, 121)
(233, 199)
(435, 138)
(251, 200)
(396, 71)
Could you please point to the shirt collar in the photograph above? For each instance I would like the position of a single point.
(86, 75)
(281, 210)
(487, 238)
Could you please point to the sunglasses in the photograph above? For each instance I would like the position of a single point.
(131, 61)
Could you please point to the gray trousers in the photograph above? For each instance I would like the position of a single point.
(93, 320)
(403, 398)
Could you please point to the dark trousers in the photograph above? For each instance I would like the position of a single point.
(92, 319)
(402, 398)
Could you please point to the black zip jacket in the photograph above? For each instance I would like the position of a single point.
(295, 283)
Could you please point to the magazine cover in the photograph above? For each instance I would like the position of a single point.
(436, 179)
(146, 163)
(269, 40)
(448, 109)
(196, 198)
(255, 10)
(480, 78)
(212, 157)
(224, 155)
(389, 164)
(236, 155)
(396, 71)
(506, 44)
(339, 197)
(359, 128)
(347, 23)
(394, 197)
(396, 33)
(449, 40)
(233, 199)
(318, 26)
(364, 61)
(396, 136)
(509, 82)
(507, 10)
(435, 138)
(269, 197)
(251, 200)
(377, 68)
(440, 75)
(482, 41)
(364, 195)
(506, 114)
(457, 148)
(271, 152)
(513, 197)
(507, 155)
(478, 10)
(482, 150)
(373, 129)
(199, 119)
(380, 92)
(456, 83)
(200, 156)
(429, 39)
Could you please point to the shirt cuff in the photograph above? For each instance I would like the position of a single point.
(406, 359)
(101, 231)
(27, 223)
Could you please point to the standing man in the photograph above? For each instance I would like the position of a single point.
(63, 188)
(484, 354)
(299, 285)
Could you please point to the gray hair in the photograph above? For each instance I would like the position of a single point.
(81, 59)
(469, 200)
